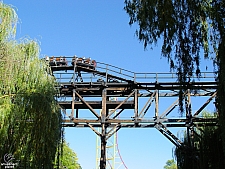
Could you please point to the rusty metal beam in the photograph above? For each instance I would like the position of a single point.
(120, 105)
(113, 131)
(90, 108)
(167, 133)
(188, 115)
(205, 104)
(169, 109)
(104, 131)
(135, 105)
(118, 113)
(73, 99)
(139, 125)
(156, 103)
(163, 120)
(148, 103)
(97, 104)
(96, 132)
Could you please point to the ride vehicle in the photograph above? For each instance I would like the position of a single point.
(57, 61)
(84, 62)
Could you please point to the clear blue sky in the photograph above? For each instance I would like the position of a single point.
(97, 29)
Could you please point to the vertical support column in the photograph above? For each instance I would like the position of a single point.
(188, 114)
(73, 99)
(77, 113)
(106, 73)
(188, 106)
(98, 148)
(156, 98)
(156, 104)
(75, 68)
(189, 103)
(136, 106)
(103, 151)
(103, 133)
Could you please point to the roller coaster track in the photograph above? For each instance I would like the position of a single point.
(84, 88)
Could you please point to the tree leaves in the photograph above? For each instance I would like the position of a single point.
(8, 20)
(184, 28)
(180, 24)
(30, 121)
(68, 157)
(187, 28)
(170, 164)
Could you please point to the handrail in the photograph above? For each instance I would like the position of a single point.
(118, 71)
(171, 75)
(137, 77)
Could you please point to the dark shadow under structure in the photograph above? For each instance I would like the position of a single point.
(85, 88)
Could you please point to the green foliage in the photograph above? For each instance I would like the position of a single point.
(182, 26)
(218, 15)
(30, 121)
(68, 158)
(170, 164)
(202, 148)
(187, 28)
(7, 23)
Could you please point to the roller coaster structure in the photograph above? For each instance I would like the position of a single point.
(82, 87)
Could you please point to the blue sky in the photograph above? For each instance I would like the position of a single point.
(98, 29)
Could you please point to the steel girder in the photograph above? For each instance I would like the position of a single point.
(136, 99)
(130, 100)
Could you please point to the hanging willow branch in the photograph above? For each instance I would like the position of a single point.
(182, 27)
(8, 22)
(30, 121)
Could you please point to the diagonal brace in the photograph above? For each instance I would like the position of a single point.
(204, 105)
(144, 109)
(170, 109)
(64, 112)
(168, 134)
(112, 131)
(117, 114)
(120, 105)
(90, 108)
(99, 134)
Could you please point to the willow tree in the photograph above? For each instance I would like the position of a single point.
(69, 158)
(205, 152)
(30, 122)
(180, 24)
(191, 30)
